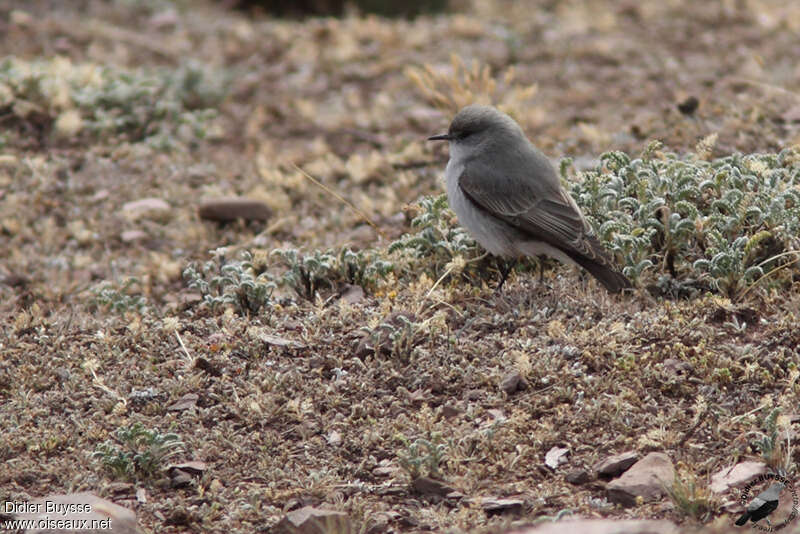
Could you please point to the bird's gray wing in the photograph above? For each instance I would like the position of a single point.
(530, 198)
(755, 504)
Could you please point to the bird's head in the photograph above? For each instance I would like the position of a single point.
(475, 125)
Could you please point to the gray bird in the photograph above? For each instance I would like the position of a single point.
(507, 194)
(762, 505)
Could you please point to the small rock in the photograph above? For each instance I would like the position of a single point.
(16, 280)
(602, 526)
(555, 457)
(430, 486)
(130, 236)
(577, 476)
(493, 506)
(645, 479)
(193, 468)
(8, 161)
(384, 471)
(689, 105)
(616, 465)
(737, 476)
(119, 488)
(207, 366)
(147, 208)
(281, 342)
(180, 517)
(100, 196)
(473, 394)
(117, 519)
(360, 236)
(512, 382)
(449, 411)
(179, 478)
(497, 415)
(792, 114)
(335, 438)
(184, 403)
(677, 367)
(232, 208)
(352, 294)
(165, 19)
(380, 521)
(63, 373)
(311, 520)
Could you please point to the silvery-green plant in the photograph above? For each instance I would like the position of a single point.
(721, 225)
(137, 452)
(313, 271)
(166, 108)
(233, 282)
(118, 299)
(423, 456)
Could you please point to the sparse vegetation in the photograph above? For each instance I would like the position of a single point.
(691, 499)
(718, 225)
(236, 283)
(137, 453)
(774, 444)
(118, 299)
(167, 109)
(422, 456)
(308, 273)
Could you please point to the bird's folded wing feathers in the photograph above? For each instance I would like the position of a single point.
(755, 504)
(545, 213)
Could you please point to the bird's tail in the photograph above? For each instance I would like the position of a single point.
(743, 519)
(613, 280)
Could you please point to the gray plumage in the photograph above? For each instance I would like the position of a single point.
(507, 194)
(762, 505)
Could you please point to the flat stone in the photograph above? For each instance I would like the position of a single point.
(179, 478)
(311, 520)
(352, 294)
(578, 476)
(617, 464)
(184, 403)
(232, 208)
(645, 479)
(493, 506)
(737, 476)
(335, 438)
(146, 208)
(512, 382)
(555, 457)
(281, 342)
(384, 471)
(193, 467)
(80, 507)
(129, 236)
(430, 486)
(602, 526)
(449, 411)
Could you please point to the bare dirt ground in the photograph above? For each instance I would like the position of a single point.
(281, 424)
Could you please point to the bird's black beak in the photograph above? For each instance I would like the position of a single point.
(440, 137)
